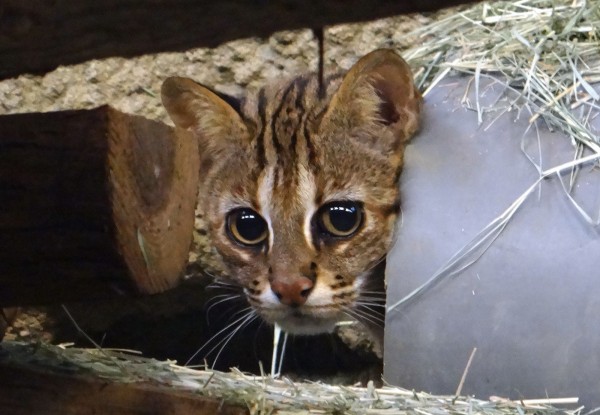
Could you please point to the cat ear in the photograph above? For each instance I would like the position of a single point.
(377, 91)
(211, 116)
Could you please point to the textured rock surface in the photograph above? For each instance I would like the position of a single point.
(133, 85)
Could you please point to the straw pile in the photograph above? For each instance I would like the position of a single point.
(263, 394)
(546, 50)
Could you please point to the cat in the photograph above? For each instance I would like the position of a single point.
(299, 186)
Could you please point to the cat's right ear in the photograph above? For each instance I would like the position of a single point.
(194, 107)
(377, 91)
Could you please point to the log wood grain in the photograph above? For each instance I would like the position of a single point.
(94, 202)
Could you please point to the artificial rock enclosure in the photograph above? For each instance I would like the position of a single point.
(521, 293)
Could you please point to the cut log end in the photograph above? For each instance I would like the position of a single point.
(153, 186)
(94, 202)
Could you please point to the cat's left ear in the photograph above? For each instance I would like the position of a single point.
(377, 91)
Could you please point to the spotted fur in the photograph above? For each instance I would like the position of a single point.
(286, 150)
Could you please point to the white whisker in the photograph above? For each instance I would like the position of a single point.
(251, 316)
(249, 309)
(379, 261)
(367, 311)
(369, 305)
(212, 299)
(374, 316)
(373, 292)
(372, 300)
(224, 287)
(362, 316)
(227, 297)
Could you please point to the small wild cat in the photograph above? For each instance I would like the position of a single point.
(300, 186)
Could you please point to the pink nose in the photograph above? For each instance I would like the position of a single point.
(293, 293)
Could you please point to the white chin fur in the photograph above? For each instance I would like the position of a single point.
(306, 325)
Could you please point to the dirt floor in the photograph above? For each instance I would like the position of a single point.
(174, 325)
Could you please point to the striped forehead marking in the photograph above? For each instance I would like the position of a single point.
(265, 193)
(307, 192)
(285, 153)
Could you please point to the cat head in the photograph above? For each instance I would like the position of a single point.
(300, 183)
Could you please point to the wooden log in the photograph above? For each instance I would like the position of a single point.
(37, 35)
(94, 202)
(33, 391)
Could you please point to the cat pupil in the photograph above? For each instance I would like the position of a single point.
(340, 219)
(247, 227)
(343, 218)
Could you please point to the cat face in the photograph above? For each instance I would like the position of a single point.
(299, 184)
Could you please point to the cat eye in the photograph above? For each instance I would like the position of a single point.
(340, 219)
(247, 227)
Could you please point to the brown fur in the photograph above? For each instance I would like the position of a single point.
(286, 152)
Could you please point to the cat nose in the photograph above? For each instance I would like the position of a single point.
(294, 293)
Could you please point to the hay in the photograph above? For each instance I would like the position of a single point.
(547, 50)
(543, 47)
(262, 394)
(547, 55)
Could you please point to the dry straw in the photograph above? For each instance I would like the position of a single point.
(264, 394)
(548, 51)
